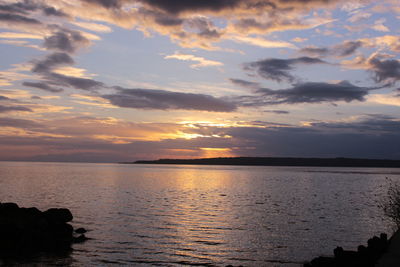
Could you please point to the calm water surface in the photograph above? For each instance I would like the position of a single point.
(175, 215)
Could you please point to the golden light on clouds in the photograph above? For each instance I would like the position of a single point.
(385, 100)
(204, 79)
(201, 62)
(73, 72)
(215, 152)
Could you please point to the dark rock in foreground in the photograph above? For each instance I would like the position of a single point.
(25, 231)
(363, 257)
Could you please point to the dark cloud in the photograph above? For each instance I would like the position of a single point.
(51, 11)
(345, 49)
(52, 61)
(203, 27)
(4, 109)
(4, 98)
(385, 70)
(161, 18)
(18, 123)
(168, 21)
(27, 6)
(106, 3)
(53, 81)
(318, 141)
(275, 21)
(373, 123)
(164, 100)
(315, 51)
(66, 40)
(75, 82)
(279, 69)
(177, 6)
(44, 86)
(15, 18)
(23, 7)
(277, 111)
(310, 92)
(244, 83)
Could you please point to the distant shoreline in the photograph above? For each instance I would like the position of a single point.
(274, 161)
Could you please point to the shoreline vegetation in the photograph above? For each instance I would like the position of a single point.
(277, 161)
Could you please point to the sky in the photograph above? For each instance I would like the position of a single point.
(123, 80)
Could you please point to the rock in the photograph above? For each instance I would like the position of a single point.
(26, 231)
(363, 257)
(80, 230)
(80, 239)
(8, 208)
(58, 215)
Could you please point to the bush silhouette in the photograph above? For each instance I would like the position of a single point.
(391, 203)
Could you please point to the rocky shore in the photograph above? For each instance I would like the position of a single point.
(25, 231)
(365, 256)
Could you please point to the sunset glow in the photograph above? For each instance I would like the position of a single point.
(122, 80)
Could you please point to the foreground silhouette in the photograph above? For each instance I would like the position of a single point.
(26, 231)
(363, 257)
(271, 161)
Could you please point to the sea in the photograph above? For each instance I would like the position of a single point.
(188, 215)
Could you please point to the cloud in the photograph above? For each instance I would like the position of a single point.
(176, 6)
(279, 69)
(203, 27)
(233, 6)
(51, 11)
(26, 7)
(52, 61)
(165, 100)
(110, 140)
(18, 35)
(106, 3)
(315, 51)
(202, 62)
(385, 70)
(4, 109)
(347, 48)
(359, 16)
(299, 39)
(277, 20)
(18, 7)
(192, 23)
(261, 42)
(388, 42)
(47, 68)
(66, 41)
(371, 123)
(43, 86)
(309, 92)
(384, 99)
(344, 49)
(18, 123)
(379, 26)
(365, 137)
(75, 82)
(244, 83)
(92, 26)
(14, 18)
(277, 111)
